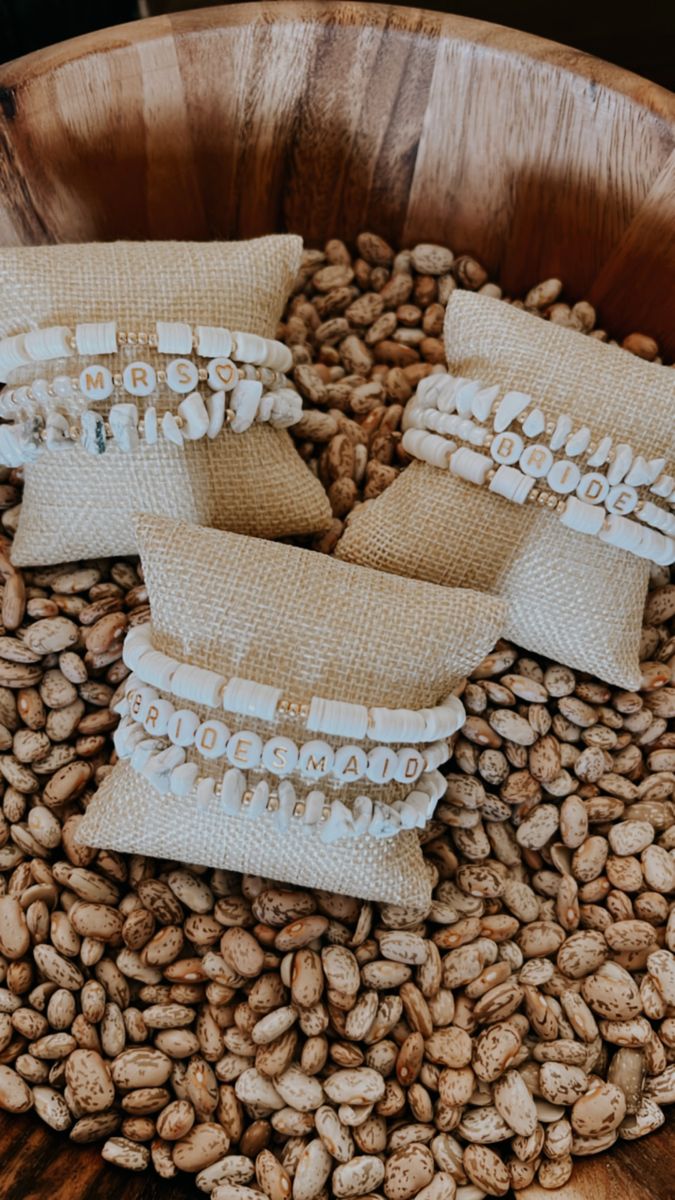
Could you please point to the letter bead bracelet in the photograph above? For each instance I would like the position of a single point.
(522, 467)
(155, 735)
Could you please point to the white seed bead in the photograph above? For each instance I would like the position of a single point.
(139, 378)
(382, 764)
(174, 337)
(158, 716)
(251, 699)
(337, 717)
(96, 383)
(213, 341)
(198, 684)
(622, 499)
(96, 337)
(280, 755)
(564, 477)
(582, 517)
(410, 765)
(211, 738)
(244, 749)
(316, 759)
(506, 448)
(182, 375)
(593, 488)
(350, 763)
(536, 460)
(182, 727)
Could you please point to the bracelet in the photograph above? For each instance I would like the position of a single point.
(96, 383)
(279, 755)
(164, 766)
(447, 406)
(168, 337)
(243, 696)
(196, 417)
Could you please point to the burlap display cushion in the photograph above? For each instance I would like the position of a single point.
(76, 506)
(569, 597)
(300, 621)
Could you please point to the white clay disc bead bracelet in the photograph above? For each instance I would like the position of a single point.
(592, 502)
(315, 759)
(166, 769)
(126, 428)
(97, 383)
(320, 715)
(168, 337)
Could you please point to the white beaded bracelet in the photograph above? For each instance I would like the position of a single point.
(168, 337)
(315, 759)
(320, 715)
(447, 407)
(165, 768)
(196, 418)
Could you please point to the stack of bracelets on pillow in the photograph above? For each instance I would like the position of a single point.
(521, 464)
(244, 378)
(155, 734)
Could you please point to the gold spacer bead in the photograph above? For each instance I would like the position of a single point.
(202, 374)
(143, 339)
(132, 338)
(117, 380)
(273, 802)
(542, 499)
(299, 810)
(71, 343)
(152, 339)
(490, 474)
(122, 338)
(282, 706)
(229, 415)
(325, 812)
(533, 496)
(246, 799)
(161, 376)
(561, 507)
(551, 502)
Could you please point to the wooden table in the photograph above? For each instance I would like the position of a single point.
(37, 1164)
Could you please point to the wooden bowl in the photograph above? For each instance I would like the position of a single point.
(327, 119)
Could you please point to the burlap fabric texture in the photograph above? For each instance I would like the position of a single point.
(569, 597)
(300, 621)
(76, 506)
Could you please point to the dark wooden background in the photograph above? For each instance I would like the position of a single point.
(640, 37)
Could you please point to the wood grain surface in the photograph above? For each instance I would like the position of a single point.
(37, 1164)
(330, 117)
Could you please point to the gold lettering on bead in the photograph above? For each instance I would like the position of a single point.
(240, 755)
(622, 502)
(139, 376)
(316, 764)
(95, 381)
(505, 446)
(153, 713)
(410, 768)
(208, 738)
(280, 756)
(225, 373)
(136, 704)
(351, 766)
(535, 457)
(183, 372)
(592, 490)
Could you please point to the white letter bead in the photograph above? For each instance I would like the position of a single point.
(99, 337)
(536, 460)
(244, 749)
(213, 341)
(182, 375)
(622, 499)
(410, 765)
(182, 727)
(563, 477)
(222, 374)
(280, 755)
(158, 716)
(139, 379)
(506, 448)
(96, 382)
(593, 488)
(382, 764)
(316, 759)
(211, 738)
(174, 337)
(144, 698)
(350, 763)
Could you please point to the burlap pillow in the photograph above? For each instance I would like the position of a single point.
(569, 596)
(299, 621)
(77, 506)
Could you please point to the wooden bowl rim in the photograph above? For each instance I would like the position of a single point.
(18, 73)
